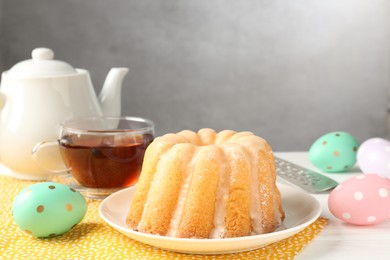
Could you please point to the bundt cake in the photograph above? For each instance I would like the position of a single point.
(207, 185)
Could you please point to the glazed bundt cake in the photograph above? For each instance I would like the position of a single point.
(207, 185)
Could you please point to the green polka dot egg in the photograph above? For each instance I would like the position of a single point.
(334, 152)
(48, 209)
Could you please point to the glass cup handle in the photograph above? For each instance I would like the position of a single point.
(47, 156)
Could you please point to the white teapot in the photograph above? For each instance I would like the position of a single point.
(36, 95)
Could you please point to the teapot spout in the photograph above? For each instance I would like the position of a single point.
(110, 95)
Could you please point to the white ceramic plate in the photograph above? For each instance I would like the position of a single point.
(301, 210)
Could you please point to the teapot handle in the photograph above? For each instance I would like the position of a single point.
(2, 99)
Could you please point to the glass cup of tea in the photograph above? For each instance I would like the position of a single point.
(101, 154)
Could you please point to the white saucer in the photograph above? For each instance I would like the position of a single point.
(301, 210)
(4, 170)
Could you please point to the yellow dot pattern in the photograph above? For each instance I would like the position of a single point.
(95, 239)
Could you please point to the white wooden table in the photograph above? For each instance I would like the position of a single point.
(340, 240)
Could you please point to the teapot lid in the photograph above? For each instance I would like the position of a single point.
(41, 64)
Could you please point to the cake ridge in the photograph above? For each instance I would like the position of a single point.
(185, 182)
(238, 205)
(221, 200)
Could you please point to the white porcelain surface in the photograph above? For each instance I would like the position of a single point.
(37, 95)
(301, 210)
(41, 64)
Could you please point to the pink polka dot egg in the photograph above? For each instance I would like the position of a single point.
(361, 200)
(48, 209)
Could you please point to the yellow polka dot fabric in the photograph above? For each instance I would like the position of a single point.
(95, 239)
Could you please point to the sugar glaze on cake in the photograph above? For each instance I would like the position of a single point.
(207, 185)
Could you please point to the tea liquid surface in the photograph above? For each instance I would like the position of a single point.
(105, 162)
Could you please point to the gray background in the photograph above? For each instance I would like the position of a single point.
(288, 70)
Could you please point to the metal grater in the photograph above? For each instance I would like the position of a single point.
(304, 178)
